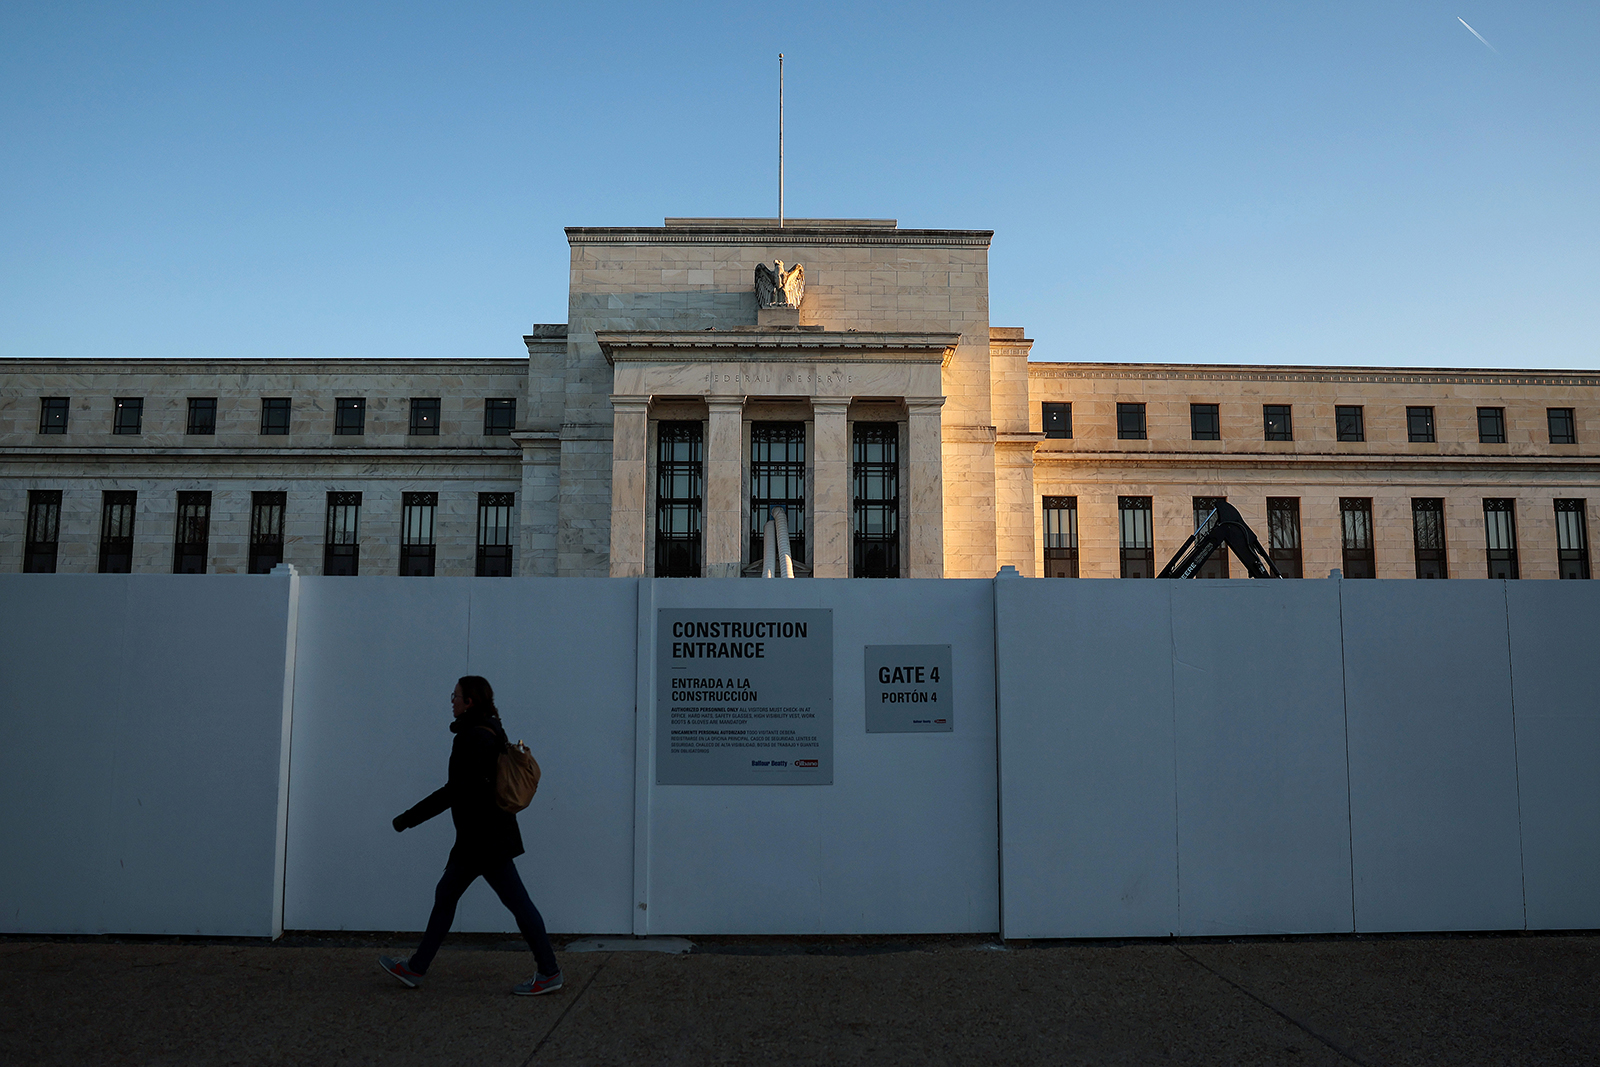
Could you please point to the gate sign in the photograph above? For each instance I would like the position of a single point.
(908, 689)
(744, 696)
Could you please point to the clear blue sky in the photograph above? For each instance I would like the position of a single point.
(1356, 183)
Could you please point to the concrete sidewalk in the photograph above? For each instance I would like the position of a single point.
(1446, 1000)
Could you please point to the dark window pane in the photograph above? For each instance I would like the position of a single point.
(1427, 532)
(1061, 537)
(341, 553)
(1205, 424)
(680, 477)
(350, 415)
(1130, 422)
(1349, 422)
(266, 530)
(778, 479)
(499, 416)
(1355, 526)
(1283, 534)
(496, 528)
(1500, 536)
(1057, 420)
(202, 416)
(44, 531)
(1136, 537)
(116, 531)
(1419, 425)
(275, 415)
(193, 533)
(1277, 422)
(1217, 565)
(130, 413)
(1492, 426)
(1572, 538)
(53, 414)
(424, 416)
(876, 476)
(417, 516)
(1563, 429)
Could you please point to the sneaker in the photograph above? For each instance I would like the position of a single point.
(401, 970)
(538, 985)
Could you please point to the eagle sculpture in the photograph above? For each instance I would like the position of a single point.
(779, 288)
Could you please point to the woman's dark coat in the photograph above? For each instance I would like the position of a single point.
(485, 834)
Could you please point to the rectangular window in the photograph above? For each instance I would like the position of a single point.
(193, 534)
(1492, 426)
(1355, 523)
(53, 414)
(1419, 425)
(266, 530)
(1349, 423)
(129, 416)
(1136, 536)
(275, 416)
(1500, 536)
(350, 415)
(778, 479)
(1217, 565)
(875, 472)
(417, 513)
(424, 416)
(1130, 422)
(1283, 534)
(1057, 420)
(1563, 430)
(496, 524)
(116, 531)
(44, 531)
(499, 416)
(341, 551)
(1572, 538)
(1277, 422)
(202, 416)
(1205, 424)
(1427, 537)
(1060, 537)
(680, 488)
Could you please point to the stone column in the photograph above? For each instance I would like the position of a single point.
(830, 490)
(724, 499)
(541, 483)
(924, 472)
(630, 437)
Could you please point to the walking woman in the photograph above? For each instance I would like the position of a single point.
(487, 841)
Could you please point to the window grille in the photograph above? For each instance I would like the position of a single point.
(680, 487)
(1130, 422)
(1217, 565)
(1427, 534)
(44, 531)
(1277, 422)
(1283, 534)
(1355, 523)
(1563, 429)
(341, 553)
(350, 415)
(778, 479)
(1205, 422)
(202, 416)
(1136, 537)
(274, 416)
(53, 414)
(193, 534)
(1419, 425)
(496, 525)
(499, 416)
(129, 416)
(1572, 538)
(1061, 537)
(1500, 536)
(876, 474)
(116, 531)
(1492, 426)
(266, 530)
(424, 416)
(417, 515)
(1349, 422)
(1057, 420)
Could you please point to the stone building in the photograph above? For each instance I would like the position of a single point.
(902, 435)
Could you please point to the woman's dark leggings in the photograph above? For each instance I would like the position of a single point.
(507, 885)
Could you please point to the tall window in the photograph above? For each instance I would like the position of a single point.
(1572, 538)
(496, 522)
(680, 489)
(1419, 425)
(778, 479)
(193, 533)
(274, 416)
(876, 476)
(1060, 537)
(129, 415)
(417, 511)
(1057, 420)
(202, 416)
(1427, 536)
(1283, 534)
(350, 415)
(1349, 422)
(1563, 429)
(424, 416)
(53, 414)
(1217, 565)
(1130, 422)
(1136, 537)
(341, 551)
(1205, 424)
(1355, 525)
(499, 416)
(1500, 536)
(44, 531)
(1492, 426)
(1277, 422)
(116, 531)
(266, 531)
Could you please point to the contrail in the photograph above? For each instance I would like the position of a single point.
(1478, 35)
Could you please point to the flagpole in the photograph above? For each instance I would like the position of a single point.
(780, 140)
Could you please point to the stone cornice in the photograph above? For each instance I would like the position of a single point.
(1260, 373)
(1315, 460)
(441, 454)
(775, 346)
(805, 236)
(512, 364)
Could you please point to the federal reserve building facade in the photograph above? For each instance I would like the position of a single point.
(713, 372)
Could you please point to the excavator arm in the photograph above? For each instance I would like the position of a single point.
(1224, 526)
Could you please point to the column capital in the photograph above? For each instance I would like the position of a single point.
(830, 405)
(725, 402)
(630, 402)
(924, 405)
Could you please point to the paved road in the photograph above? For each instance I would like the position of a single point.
(1388, 1001)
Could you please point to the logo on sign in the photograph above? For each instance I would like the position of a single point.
(805, 763)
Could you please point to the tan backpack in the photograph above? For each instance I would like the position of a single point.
(516, 779)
